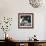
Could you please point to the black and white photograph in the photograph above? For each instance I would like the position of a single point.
(25, 20)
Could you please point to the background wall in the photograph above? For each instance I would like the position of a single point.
(11, 8)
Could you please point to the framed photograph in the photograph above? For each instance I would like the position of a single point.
(25, 20)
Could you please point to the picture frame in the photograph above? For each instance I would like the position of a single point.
(25, 20)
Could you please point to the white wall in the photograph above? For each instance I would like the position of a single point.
(45, 28)
(11, 8)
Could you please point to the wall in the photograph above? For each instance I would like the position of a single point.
(11, 8)
(45, 28)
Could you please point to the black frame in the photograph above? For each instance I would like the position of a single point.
(26, 14)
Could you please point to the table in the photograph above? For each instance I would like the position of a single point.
(27, 42)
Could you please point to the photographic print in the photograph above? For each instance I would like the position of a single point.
(25, 20)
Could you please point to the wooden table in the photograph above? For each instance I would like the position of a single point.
(27, 42)
(30, 43)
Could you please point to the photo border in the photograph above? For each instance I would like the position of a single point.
(27, 26)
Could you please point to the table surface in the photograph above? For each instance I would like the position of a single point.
(42, 41)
